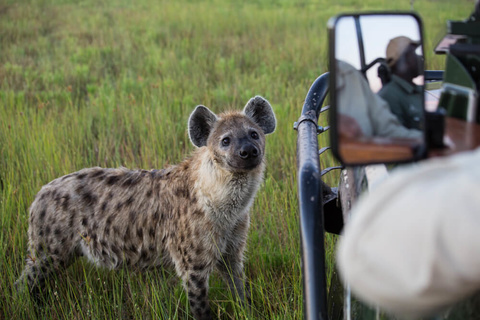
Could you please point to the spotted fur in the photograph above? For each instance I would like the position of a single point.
(192, 216)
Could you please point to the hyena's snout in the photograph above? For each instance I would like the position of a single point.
(248, 155)
(248, 151)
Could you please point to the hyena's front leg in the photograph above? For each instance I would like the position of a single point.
(194, 267)
(230, 264)
(196, 284)
(231, 270)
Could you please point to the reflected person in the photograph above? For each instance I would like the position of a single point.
(363, 113)
(404, 97)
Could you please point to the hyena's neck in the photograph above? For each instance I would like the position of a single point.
(225, 196)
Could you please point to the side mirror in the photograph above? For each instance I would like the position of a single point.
(377, 88)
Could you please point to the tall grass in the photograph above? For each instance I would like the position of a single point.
(111, 83)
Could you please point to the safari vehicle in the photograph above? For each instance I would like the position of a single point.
(450, 124)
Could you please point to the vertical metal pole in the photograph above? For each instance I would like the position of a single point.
(361, 47)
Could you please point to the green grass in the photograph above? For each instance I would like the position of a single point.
(112, 83)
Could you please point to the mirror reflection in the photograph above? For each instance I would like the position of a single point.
(378, 78)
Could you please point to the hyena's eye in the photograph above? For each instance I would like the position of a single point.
(254, 135)
(226, 141)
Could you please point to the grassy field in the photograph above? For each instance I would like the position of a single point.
(112, 83)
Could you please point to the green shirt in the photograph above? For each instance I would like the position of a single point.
(405, 101)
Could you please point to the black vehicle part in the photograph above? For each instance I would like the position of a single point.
(434, 75)
(332, 212)
(382, 61)
(312, 195)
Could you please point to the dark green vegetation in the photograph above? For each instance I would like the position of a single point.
(111, 83)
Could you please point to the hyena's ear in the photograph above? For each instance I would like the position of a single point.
(261, 112)
(200, 125)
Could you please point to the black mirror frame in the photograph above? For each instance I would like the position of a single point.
(334, 141)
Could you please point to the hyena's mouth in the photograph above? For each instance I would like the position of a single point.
(245, 164)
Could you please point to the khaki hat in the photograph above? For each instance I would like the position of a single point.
(397, 46)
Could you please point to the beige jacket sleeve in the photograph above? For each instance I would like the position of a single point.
(412, 245)
(354, 98)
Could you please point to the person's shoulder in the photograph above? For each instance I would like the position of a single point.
(386, 90)
(344, 68)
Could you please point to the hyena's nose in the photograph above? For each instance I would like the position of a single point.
(248, 151)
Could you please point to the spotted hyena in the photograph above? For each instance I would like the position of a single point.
(193, 216)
